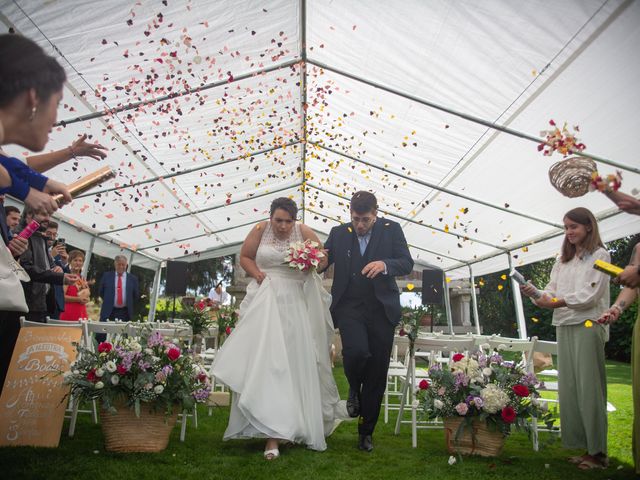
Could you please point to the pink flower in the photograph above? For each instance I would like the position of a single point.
(91, 375)
(121, 369)
(423, 384)
(462, 408)
(105, 347)
(457, 357)
(228, 330)
(402, 332)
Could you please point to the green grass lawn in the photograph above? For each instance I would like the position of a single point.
(205, 456)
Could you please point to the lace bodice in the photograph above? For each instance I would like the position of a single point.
(272, 250)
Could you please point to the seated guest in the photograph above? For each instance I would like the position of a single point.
(76, 296)
(218, 296)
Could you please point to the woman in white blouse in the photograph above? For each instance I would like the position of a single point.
(578, 295)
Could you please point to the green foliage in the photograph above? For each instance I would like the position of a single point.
(204, 454)
(197, 316)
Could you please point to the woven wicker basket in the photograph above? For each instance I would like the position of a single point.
(124, 432)
(571, 177)
(487, 443)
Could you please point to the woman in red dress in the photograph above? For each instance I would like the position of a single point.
(76, 296)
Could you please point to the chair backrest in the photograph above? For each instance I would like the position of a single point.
(53, 321)
(546, 346)
(113, 330)
(526, 347)
(183, 332)
(26, 323)
(436, 346)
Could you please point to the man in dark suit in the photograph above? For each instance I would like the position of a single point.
(119, 292)
(367, 254)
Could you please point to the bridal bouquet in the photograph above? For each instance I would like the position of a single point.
(148, 370)
(304, 256)
(484, 387)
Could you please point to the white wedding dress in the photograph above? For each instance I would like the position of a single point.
(277, 360)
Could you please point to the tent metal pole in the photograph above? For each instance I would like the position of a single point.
(447, 303)
(186, 171)
(411, 220)
(87, 258)
(155, 290)
(201, 210)
(517, 303)
(437, 187)
(474, 301)
(303, 93)
(171, 96)
(130, 262)
(464, 116)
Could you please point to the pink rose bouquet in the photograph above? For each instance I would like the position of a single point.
(304, 256)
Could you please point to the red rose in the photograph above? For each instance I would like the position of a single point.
(200, 305)
(121, 369)
(521, 390)
(173, 354)
(402, 333)
(105, 347)
(228, 330)
(457, 357)
(508, 414)
(202, 377)
(423, 384)
(91, 375)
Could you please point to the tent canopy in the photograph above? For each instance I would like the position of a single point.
(210, 110)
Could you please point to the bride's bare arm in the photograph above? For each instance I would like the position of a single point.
(249, 250)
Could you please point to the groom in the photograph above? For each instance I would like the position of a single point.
(367, 253)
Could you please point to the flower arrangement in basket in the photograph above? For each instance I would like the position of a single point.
(484, 388)
(146, 370)
(227, 319)
(198, 316)
(304, 256)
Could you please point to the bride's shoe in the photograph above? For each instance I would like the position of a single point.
(271, 454)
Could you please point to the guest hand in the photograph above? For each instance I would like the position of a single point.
(545, 301)
(57, 269)
(70, 278)
(625, 202)
(373, 269)
(39, 201)
(528, 289)
(82, 148)
(18, 246)
(630, 277)
(609, 316)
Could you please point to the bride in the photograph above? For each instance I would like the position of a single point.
(277, 361)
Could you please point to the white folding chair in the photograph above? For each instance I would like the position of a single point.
(73, 406)
(526, 348)
(434, 347)
(545, 346)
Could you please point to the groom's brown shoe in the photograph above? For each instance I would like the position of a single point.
(365, 443)
(353, 404)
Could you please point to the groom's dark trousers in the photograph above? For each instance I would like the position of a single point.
(367, 310)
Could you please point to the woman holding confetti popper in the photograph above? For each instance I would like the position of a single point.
(578, 295)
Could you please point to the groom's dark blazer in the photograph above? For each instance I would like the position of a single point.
(388, 244)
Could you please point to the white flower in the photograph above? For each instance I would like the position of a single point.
(158, 389)
(502, 346)
(487, 371)
(99, 385)
(494, 398)
(76, 372)
(115, 380)
(148, 351)
(438, 404)
(99, 372)
(136, 347)
(66, 375)
(110, 366)
(452, 460)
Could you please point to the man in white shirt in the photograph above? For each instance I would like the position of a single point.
(218, 296)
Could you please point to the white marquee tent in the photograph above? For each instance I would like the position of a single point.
(210, 109)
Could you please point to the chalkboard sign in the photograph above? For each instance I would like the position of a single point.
(31, 406)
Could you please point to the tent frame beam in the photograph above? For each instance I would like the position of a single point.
(464, 116)
(437, 187)
(416, 222)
